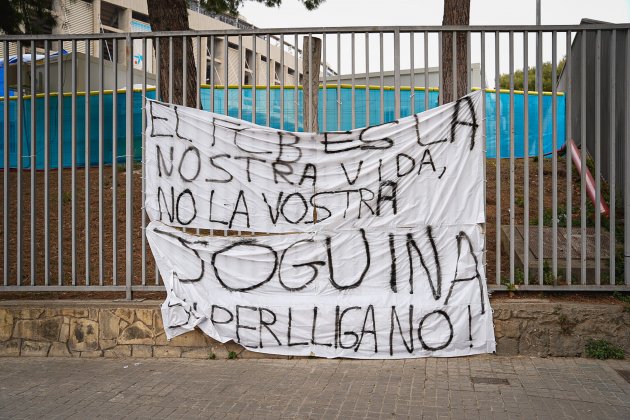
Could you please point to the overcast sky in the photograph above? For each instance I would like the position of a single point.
(337, 13)
(429, 12)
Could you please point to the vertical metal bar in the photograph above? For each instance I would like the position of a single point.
(157, 95)
(512, 180)
(46, 162)
(367, 79)
(541, 157)
(254, 79)
(115, 166)
(612, 157)
(597, 174)
(73, 128)
(101, 158)
(282, 81)
(20, 140)
(324, 85)
(268, 100)
(170, 68)
(526, 157)
(184, 71)
(554, 158)
(468, 64)
(583, 158)
(144, 126)
(87, 166)
(226, 107)
(426, 71)
(440, 70)
(338, 81)
(412, 76)
(295, 86)
(60, 71)
(626, 193)
(483, 133)
(352, 66)
(5, 200)
(33, 160)
(569, 202)
(382, 82)
(396, 73)
(454, 67)
(240, 76)
(212, 70)
(197, 93)
(497, 91)
(310, 73)
(129, 167)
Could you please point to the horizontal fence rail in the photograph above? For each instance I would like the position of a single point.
(556, 122)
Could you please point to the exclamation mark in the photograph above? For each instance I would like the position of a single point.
(470, 326)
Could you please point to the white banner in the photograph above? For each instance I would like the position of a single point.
(376, 248)
(211, 171)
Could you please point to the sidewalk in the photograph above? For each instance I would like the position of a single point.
(486, 387)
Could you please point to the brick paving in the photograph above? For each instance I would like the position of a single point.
(484, 387)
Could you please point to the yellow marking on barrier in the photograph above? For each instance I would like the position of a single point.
(519, 92)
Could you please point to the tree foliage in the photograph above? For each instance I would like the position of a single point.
(519, 77)
(26, 16)
(232, 6)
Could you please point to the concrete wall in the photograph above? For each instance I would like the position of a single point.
(134, 329)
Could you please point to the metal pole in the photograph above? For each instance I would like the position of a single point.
(33, 162)
(626, 193)
(412, 76)
(73, 129)
(554, 159)
(526, 157)
(115, 168)
(101, 168)
(541, 157)
(144, 126)
(512, 168)
(583, 158)
(87, 165)
(129, 168)
(396, 74)
(569, 167)
(60, 72)
(612, 156)
(46, 162)
(497, 91)
(6, 163)
(597, 174)
(20, 141)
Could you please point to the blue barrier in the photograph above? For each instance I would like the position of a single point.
(333, 98)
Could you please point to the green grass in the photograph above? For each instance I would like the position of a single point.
(232, 355)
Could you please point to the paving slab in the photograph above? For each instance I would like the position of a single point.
(484, 387)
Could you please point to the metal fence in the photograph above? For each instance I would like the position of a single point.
(78, 224)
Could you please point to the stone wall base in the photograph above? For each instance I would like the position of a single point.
(134, 329)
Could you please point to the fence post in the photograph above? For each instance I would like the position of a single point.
(129, 169)
(311, 61)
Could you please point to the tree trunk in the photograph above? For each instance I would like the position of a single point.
(311, 60)
(456, 12)
(172, 15)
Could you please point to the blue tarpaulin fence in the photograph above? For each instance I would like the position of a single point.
(334, 96)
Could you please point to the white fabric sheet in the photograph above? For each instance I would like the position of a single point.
(368, 243)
